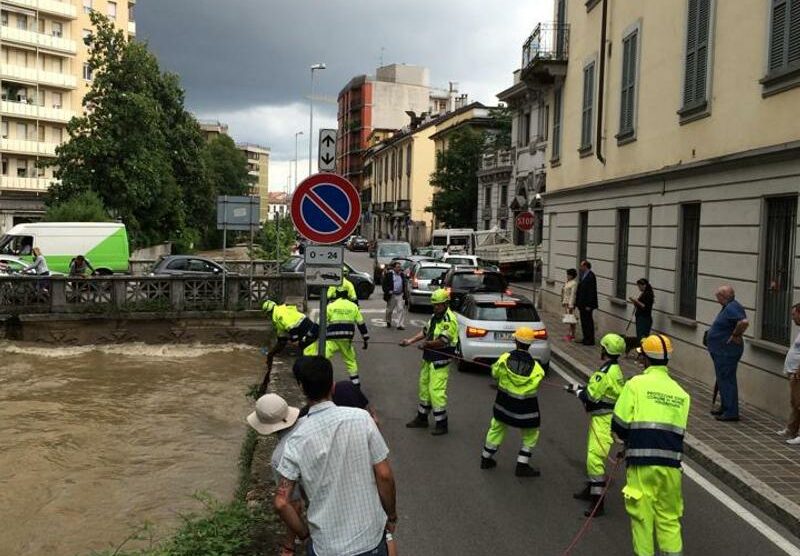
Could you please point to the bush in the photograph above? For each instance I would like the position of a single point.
(85, 207)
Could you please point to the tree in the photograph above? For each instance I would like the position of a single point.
(269, 238)
(499, 136)
(85, 207)
(456, 179)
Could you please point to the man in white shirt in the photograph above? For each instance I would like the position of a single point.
(340, 459)
(791, 366)
(394, 293)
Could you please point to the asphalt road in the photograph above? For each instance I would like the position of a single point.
(449, 506)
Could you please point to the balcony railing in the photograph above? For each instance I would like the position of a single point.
(65, 80)
(28, 147)
(42, 40)
(25, 110)
(131, 27)
(64, 9)
(25, 184)
(388, 206)
(502, 212)
(548, 42)
(496, 159)
(404, 205)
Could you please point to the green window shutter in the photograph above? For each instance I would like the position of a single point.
(588, 100)
(628, 93)
(556, 150)
(778, 35)
(793, 44)
(697, 40)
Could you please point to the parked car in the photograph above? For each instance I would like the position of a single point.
(358, 243)
(362, 281)
(461, 281)
(188, 265)
(11, 265)
(407, 263)
(430, 251)
(461, 260)
(419, 283)
(385, 251)
(486, 323)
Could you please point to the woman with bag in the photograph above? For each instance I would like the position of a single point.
(568, 293)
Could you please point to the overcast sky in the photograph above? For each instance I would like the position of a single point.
(246, 62)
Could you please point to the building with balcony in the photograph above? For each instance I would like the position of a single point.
(43, 75)
(382, 101)
(258, 167)
(673, 155)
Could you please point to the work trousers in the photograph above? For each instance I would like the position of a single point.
(396, 310)
(496, 435)
(794, 396)
(345, 347)
(654, 502)
(598, 445)
(725, 369)
(433, 390)
(587, 325)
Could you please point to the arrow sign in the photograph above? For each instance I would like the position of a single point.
(327, 150)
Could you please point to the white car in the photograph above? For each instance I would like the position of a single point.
(461, 260)
(419, 283)
(486, 324)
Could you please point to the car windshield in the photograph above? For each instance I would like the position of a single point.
(16, 245)
(489, 282)
(289, 265)
(518, 312)
(394, 250)
(430, 273)
(460, 261)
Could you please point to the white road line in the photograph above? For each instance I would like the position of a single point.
(748, 517)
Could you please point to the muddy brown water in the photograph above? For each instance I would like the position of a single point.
(96, 441)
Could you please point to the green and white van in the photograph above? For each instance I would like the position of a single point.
(104, 244)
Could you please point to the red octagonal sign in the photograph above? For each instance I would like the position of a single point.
(524, 220)
(326, 208)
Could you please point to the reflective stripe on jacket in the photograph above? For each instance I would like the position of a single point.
(285, 318)
(444, 328)
(518, 376)
(343, 317)
(603, 389)
(650, 417)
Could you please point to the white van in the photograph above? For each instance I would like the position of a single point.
(104, 244)
(460, 240)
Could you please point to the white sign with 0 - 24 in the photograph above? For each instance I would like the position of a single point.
(324, 265)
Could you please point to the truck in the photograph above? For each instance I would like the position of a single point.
(495, 247)
(104, 244)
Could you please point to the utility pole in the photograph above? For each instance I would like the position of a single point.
(321, 66)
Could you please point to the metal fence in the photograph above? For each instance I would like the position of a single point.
(549, 41)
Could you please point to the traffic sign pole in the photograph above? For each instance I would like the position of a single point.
(323, 319)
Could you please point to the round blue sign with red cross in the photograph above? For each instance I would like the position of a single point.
(326, 208)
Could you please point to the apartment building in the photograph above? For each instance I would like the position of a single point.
(44, 75)
(673, 155)
(277, 206)
(370, 102)
(258, 167)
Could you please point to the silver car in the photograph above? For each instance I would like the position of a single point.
(419, 283)
(486, 324)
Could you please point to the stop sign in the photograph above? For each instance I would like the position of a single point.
(524, 220)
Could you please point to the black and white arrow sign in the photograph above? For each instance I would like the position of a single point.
(327, 150)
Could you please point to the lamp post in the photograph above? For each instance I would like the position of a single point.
(296, 177)
(320, 66)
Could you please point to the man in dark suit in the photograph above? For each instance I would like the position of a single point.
(586, 302)
(394, 294)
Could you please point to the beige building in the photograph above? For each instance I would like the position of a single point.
(673, 155)
(277, 205)
(258, 166)
(44, 76)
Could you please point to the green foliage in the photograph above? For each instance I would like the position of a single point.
(85, 207)
(268, 238)
(499, 137)
(456, 179)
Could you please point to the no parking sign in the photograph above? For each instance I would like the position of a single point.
(326, 208)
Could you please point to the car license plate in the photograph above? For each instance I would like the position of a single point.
(504, 335)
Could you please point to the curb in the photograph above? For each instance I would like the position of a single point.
(749, 487)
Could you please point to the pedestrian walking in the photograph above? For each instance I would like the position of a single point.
(568, 293)
(791, 367)
(598, 397)
(343, 317)
(650, 417)
(440, 337)
(643, 308)
(341, 460)
(273, 415)
(586, 301)
(516, 404)
(725, 346)
(395, 295)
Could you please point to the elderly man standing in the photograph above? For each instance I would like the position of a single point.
(791, 367)
(725, 345)
(394, 293)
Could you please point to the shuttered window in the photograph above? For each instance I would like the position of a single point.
(623, 230)
(781, 221)
(556, 124)
(690, 243)
(695, 81)
(588, 104)
(630, 45)
(784, 43)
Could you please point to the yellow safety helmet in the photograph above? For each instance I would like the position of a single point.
(440, 296)
(334, 291)
(614, 344)
(268, 306)
(525, 335)
(657, 347)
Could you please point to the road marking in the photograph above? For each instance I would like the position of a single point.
(748, 517)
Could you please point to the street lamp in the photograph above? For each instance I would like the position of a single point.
(321, 66)
(296, 177)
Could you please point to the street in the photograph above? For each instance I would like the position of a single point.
(448, 505)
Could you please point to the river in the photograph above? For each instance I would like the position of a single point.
(95, 441)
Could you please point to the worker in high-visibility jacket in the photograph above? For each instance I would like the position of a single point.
(650, 418)
(518, 376)
(290, 326)
(348, 286)
(343, 317)
(598, 397)
(440, 337)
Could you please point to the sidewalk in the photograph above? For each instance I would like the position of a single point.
(747, 455)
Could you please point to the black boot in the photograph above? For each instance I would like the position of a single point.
(488, 463)
(525, 470)
(440, 429)
(418, 422)
(597, 501)
(583, 494)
